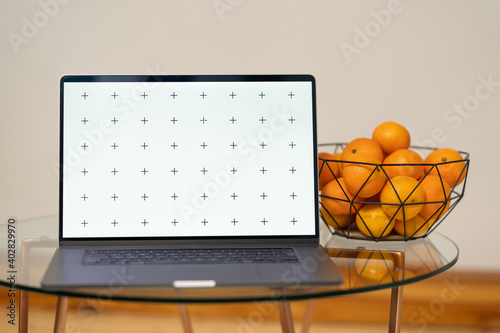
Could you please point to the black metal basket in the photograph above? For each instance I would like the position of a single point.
(346, 225)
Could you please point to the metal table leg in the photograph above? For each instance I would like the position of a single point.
(23, 311)
(61, 312)
(397, 294)
(184, 313)
(286, 318)
(185, 319)
(308, 316)
(396, 307)
(27, 245)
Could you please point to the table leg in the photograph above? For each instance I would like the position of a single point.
(23, 311)
(397, 294)
(308, 315)
(61, 312)
(396, 307)
(286, 318)
(185, 319)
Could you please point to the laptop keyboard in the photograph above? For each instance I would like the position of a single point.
(189, 256)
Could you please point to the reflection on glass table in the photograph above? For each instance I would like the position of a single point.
(372, 265)
(365, 266)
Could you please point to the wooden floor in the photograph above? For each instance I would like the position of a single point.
(462, 302)
(113, 321)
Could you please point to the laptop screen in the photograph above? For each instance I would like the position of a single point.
(188, 156)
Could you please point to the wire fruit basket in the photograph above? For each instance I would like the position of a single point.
(401, 217)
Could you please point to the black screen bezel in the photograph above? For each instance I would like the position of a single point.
(179, 240)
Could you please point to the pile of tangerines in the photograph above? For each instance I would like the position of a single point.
(380, 185)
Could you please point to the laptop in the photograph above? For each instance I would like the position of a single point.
(188, 181)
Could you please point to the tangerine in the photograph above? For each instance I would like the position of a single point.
(362, 145)
(373, 221)
(436, 191)
(402, 197)
(450, 164)
(391, 136)
(336, 221)
(363, 178)
(414, 227)
(409, 163)
(338, 157)
(328, 169)
(337, 199)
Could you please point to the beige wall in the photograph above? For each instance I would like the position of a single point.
(407, 61)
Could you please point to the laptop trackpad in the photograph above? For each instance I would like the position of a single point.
(203, 275)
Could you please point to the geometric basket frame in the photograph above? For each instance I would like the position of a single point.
(351, 231)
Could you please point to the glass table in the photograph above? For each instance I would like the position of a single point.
(27, 247)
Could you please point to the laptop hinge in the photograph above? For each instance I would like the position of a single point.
(192, 243)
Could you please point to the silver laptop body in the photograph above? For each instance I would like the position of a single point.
(188, 181)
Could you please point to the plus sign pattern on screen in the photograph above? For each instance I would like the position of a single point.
(173, 159)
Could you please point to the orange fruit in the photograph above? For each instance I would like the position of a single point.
(327, 169)
(362, 145)
(374, 265)
(362, 179)
(436, 191)
(414, 227)
(338, 157)
(336, 220)
(450, 164)
(391, 136)
(373, 221)
(337, 200)
(410, 163)
(404, 196)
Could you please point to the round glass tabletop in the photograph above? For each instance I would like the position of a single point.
(28, 246)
